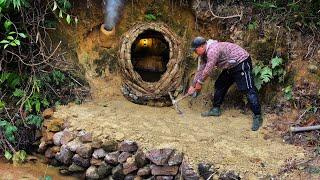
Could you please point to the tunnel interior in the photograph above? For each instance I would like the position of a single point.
(150, 55)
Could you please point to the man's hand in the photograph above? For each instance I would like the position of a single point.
(191, 90)
(198, 87)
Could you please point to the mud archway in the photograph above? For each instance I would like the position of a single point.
(150, 59)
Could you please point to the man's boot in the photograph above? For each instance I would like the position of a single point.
(215, 111)
(257, 122)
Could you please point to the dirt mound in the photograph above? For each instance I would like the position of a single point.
(226, 141)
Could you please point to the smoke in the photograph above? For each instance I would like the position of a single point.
(111, 13)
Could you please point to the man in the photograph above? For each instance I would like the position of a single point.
(236, 66)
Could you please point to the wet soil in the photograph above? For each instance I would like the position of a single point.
(30, 171)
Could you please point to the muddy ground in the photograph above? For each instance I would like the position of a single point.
(225, 141)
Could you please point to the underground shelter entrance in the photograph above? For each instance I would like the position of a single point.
(150, 60)
(150, 55)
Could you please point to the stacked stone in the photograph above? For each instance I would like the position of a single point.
(77, 152)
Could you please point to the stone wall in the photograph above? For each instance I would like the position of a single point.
(76, 152)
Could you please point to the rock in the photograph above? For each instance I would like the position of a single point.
(92, 173)
(75, 168)
(85, 150)
(229, 175)
(42, 146)
(117, 172)
(112, 158)
(81, 161)
(54, 125)
(128, 146)
(47, 113)
(49, 153)
(151, 178)
(109, 145)
(175, 159)
(123, 157)
(67, 136)
(178, 176)
(159, 156)
(57, 138)
(62, 137)
(137, 178)
(104, 170)
(313, 68)
(129, 166)
(74, 144)
(56, 149)
(164, 170)
(96, 144)
(65, 155)
(64, 171)
(66, 125)
(47, 137)
(96, 162)
(141, 158)
(188, 172)
(85, 136)
(145, 171)
(99, 153)
(206, 170)
(129, 177)
(38, 134)
(54, 162)
(164, 177)
(32, 159)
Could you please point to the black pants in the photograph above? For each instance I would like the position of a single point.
(242, 76)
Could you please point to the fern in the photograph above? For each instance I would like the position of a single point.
(256, 70)
(258, 82)
(275, 62)
(266, 74)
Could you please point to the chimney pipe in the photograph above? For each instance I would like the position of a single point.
(112, 9)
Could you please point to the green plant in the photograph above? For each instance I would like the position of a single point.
(2, 104)
(63, 6)
(19, 157)
(34, 120)
(253, 25)
(12, 38)
(150, 17)
(11, 80)
(17, 4)
(263, 74)
(27, 82)
(8, 129)
(58, 77)
(7, 155)
(288, 93)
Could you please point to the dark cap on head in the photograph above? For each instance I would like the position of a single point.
(197, 41)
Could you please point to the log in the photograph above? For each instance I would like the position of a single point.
(307, 128)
